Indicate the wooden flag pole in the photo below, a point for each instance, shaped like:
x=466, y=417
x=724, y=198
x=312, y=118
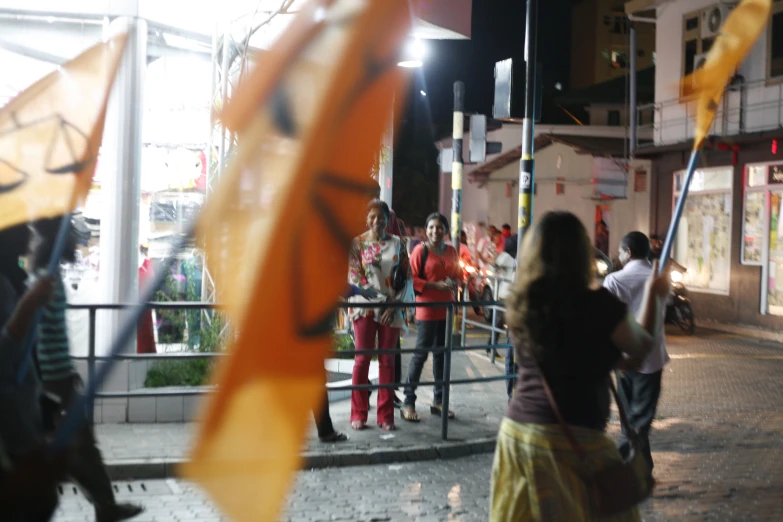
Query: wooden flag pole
x=54, y=264
x=667, y=244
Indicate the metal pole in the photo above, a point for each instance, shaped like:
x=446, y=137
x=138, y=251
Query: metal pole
x=444, y=415
x=457, y=163
x=667, y=245
x=91, y=361
x=493, y=335
x=633, y=101
x=527, y=164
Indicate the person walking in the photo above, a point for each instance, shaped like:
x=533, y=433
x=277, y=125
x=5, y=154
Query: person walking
x=435, y=271
x=374, y=257
x=568, y=337
x=22, y=436
x=59, y=378
x=638, y=389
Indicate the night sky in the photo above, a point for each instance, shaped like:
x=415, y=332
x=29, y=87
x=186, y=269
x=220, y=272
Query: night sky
x=498, y=33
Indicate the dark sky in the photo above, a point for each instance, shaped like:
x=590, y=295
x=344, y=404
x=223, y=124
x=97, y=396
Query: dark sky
x=498, y=33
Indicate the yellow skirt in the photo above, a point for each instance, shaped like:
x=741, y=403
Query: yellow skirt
x=537, y=475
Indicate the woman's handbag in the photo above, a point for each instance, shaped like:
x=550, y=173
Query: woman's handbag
x=619, y=486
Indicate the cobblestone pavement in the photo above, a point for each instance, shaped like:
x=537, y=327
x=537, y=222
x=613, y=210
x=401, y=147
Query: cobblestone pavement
x=716, y=442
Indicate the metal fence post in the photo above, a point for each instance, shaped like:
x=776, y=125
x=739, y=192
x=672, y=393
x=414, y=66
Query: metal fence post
x=493, y=336
x=444, y=415
x=465, y=298
x=91, y=360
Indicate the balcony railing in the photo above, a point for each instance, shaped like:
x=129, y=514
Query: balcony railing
x=745, y=108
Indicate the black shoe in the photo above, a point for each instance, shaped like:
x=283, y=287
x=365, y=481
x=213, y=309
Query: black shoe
x=397, y=402
x=119, y=512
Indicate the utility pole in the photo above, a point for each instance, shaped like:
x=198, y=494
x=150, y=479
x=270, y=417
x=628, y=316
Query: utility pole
x=457, y=163
x=527, y=164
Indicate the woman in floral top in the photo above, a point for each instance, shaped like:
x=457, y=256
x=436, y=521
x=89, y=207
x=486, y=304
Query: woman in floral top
x=373, y=257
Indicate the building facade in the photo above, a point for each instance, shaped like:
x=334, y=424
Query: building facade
x=581, y=169
x=600, y=46
x=728, y=236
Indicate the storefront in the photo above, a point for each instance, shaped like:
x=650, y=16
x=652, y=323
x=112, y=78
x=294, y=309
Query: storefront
x=731, y=235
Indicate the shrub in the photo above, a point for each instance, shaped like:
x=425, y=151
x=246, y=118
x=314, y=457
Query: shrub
x=188, y=372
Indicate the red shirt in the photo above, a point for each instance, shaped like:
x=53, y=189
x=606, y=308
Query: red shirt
x=437, y=268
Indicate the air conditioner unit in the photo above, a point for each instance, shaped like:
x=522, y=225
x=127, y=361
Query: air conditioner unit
x=712, y=19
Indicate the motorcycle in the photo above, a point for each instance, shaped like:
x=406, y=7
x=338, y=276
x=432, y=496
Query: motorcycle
x=679, y=311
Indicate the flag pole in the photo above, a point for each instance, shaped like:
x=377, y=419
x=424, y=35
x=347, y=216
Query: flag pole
x=667, y=244
x=54, y=264
x=75, y=415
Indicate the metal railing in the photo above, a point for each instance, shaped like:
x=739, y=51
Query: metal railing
x=496, y=307
x=746, y=107
x=446, y=381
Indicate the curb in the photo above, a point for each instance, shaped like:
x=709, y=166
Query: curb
x=152, y=469
x=747, y=331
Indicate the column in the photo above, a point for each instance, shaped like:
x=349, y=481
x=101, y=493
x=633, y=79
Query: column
x=386, y=172
x=121, y=194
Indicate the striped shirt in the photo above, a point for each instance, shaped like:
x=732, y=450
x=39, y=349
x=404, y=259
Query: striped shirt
x=54, y=357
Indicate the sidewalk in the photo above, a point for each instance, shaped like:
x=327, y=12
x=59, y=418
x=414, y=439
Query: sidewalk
x=721, y=402
x=152, y=450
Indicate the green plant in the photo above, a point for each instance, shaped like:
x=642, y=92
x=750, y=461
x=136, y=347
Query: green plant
x=173, y=321
x=342, y=343
x=187, y=372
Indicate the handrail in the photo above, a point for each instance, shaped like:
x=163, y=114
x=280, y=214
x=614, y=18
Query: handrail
x=746, y=107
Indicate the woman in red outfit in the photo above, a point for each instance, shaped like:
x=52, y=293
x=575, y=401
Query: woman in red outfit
x=435, y=271
x=373, y=258
x=145, y=334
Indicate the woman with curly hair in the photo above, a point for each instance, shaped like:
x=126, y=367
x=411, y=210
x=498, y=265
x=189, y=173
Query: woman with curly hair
x=568, y=334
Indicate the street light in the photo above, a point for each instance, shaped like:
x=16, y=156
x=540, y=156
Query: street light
x=412, y=56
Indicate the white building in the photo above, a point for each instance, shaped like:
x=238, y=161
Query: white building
x=581, y=169
x=728, y=238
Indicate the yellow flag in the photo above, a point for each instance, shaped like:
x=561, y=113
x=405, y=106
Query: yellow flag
x=277, y=231
x=50, y=135
x=737, y=35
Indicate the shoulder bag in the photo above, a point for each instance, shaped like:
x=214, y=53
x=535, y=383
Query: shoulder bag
x=619, y=486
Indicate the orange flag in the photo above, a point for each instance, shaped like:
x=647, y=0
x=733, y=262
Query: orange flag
x=50, y=135
x=738, y=34
x=277, y=232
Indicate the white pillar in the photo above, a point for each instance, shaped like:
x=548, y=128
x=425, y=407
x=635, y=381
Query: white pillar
x=121, y=183
x=386, y=172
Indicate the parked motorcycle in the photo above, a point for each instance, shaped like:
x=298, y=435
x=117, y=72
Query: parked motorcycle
x=679, y=311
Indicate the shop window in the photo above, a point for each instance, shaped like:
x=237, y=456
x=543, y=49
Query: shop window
x=762, y=231
x=703, y=241
x=775, y=60
x=613, y=118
